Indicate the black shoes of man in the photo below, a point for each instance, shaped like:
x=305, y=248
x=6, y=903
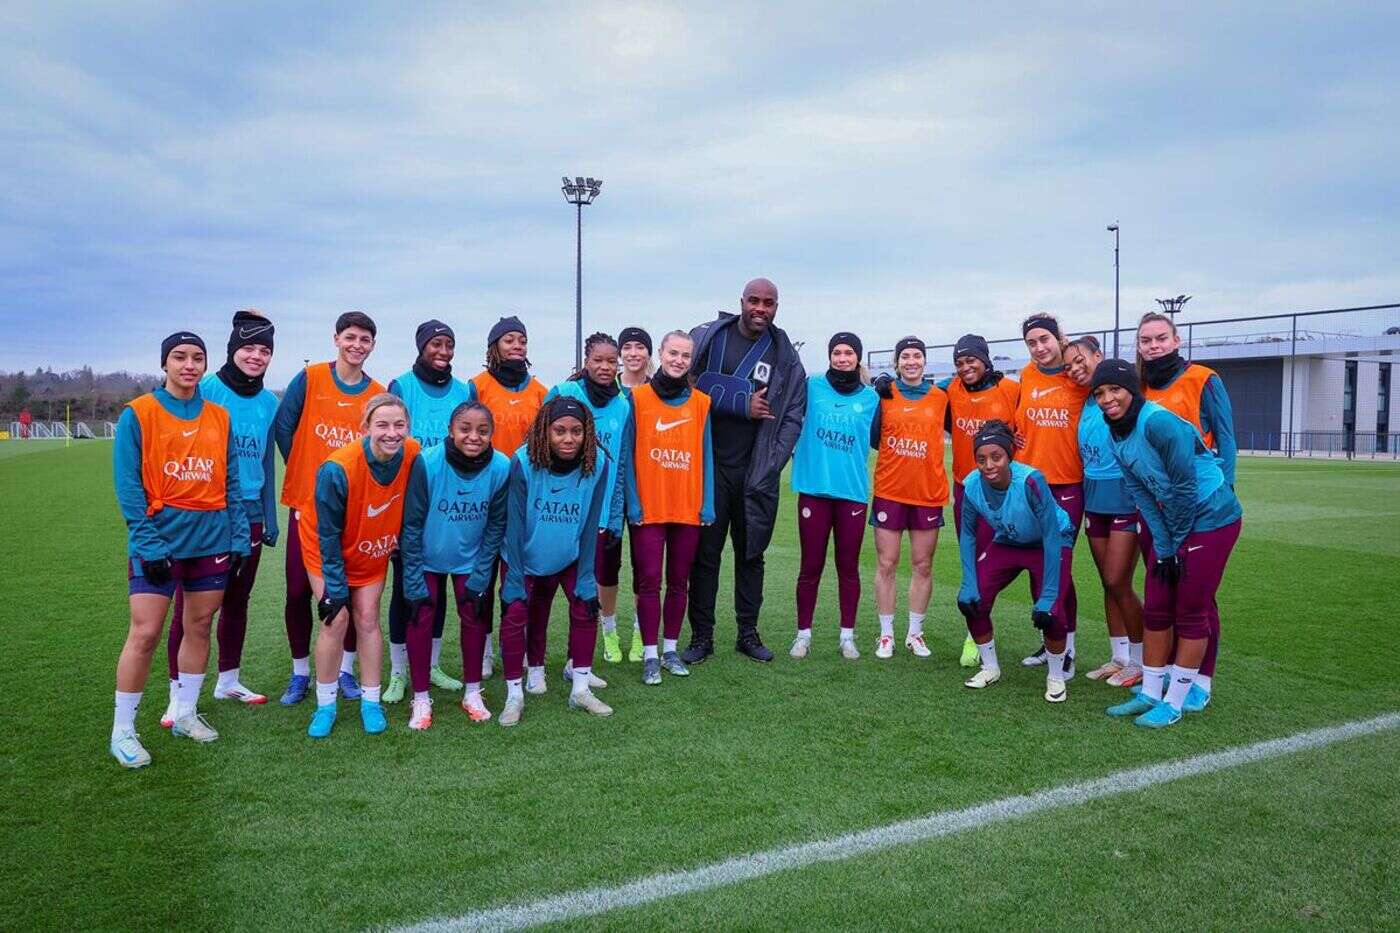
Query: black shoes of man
x=748, y=644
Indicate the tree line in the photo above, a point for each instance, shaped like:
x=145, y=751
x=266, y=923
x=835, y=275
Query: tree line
x=94, y=397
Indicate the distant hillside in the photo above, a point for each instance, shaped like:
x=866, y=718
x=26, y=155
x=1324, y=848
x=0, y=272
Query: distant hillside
x=95, y=397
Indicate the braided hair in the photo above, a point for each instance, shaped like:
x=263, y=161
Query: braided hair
x=537, y=441
x=588, y=345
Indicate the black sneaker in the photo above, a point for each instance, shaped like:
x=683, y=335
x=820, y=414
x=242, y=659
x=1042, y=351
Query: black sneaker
x=698, y=651
x=750, y=644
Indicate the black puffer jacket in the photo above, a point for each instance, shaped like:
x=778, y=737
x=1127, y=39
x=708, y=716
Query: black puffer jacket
x=776, y=438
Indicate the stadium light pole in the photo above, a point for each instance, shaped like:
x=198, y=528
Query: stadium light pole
x=1113, y=229
x=579, y=192
x=1172, y=305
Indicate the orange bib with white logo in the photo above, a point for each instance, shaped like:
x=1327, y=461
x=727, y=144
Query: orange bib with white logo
x=971, y=410
x=330, y=420
x=668, y=456
x=184, y=463
x=909, y=467
x=1183, y=396
x=373, y=516
x=512, y=412
x=1048, y=416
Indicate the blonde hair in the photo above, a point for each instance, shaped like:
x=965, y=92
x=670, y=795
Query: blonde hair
x=382, y=400
x=674, y=333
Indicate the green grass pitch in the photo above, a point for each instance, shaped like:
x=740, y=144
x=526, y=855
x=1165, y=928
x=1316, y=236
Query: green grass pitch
x=266, y=829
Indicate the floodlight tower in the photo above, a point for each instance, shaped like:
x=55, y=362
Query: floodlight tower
x=1113, y=229
x=579, y=192
x=1171, y=306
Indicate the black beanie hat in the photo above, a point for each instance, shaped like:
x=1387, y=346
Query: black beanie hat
x=249, y=327
x=1116, y=373
x=995, y=432
x=179, y=338
x=630, y=334
x=506, y=325
x=909, y=343
x=974, y=345
x=850, y=340
x=430, y=329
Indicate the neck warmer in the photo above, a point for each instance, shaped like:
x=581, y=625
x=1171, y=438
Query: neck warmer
x=1124, y=425
x=989, y=379
x=669, y=387
x=469, y=466
x=431, y=375
x=843, y=381
x=239, y=381
x=1160, y=372
x=510, y=373
x=599, y=395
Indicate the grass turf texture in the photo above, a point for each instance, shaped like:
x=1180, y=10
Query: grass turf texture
x=267, y=828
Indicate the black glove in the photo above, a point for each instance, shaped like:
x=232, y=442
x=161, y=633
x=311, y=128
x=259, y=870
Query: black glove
x=612, y=540
x=157, y=572
x=595, y=608
x=478, y=601
x=883, y=385
x=969, y=608
x=1042, y=619
x=1168, y=569
x=414, y=608
x=235, y=564
x=329, y=608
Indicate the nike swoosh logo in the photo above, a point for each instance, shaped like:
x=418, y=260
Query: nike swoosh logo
x=439, y=330
x=1066, y=498
x=668, y=425
x=125, y=756
x=839, y=405
x=554, y=491
x=931, y=517
x=373, y=511
x=1196, y=548
x=912, y=408
x=244, y=333
x=981, y=557
x=857, y=513
x=221, y=560
x=1041, y=393
x=345, y=404
x=515, y=401
x=190, y=433
x=976, y=398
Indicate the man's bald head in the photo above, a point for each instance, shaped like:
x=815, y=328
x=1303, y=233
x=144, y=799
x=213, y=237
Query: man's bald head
x=757, y=306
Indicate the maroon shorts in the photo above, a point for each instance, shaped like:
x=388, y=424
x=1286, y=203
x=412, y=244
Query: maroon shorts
x=607, y=561
x=192, y=574
x=1099, y=525
x=900, y=516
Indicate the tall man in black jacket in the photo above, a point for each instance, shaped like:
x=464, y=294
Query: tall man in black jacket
x=758, y=394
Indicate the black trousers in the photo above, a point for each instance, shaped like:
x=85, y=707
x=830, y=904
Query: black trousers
x=748, y=574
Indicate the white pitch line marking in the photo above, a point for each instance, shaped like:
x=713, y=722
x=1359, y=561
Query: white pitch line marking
x=592, y=901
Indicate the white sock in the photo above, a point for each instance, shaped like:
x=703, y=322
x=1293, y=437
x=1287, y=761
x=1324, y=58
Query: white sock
x=1057, y=664
x=514, y=689
x=326, y=693
x=1179, y=684
x=487, y=651
x=1152, y=681
x=988, y=653
x=301, y=667
x=669, y=644
x=916, y=623
x=347, y=662
x=1203, y=681
x=398, y=660
x=887, y=625
x=1069, y=644
x=610, y=624
x=848, y=635
x=420, y=695
x=804, y=634
x=649, y=653
x=227, y=679
x=188, y=696
x=125, y=716
x=1135, y=653
x=369, y=694
x=437, y=651
x=637, y=629
x=535, y=673
x=1119, y=646
x=472, y=690
x=581, y=675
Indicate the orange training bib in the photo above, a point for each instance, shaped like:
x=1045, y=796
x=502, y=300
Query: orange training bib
x=909, y=467
x=184, y=463
x=1183, y=396
x=1048, y=415
x=669, y=456
x=373, y=517
x=513, y=412
x=971, y=410
x=330, y=420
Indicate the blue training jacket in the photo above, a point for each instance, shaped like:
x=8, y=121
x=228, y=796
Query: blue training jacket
x=1174, y=480
x=610, y=424
x=250, y=420
x=551, y=524
x=833, y=452
x=430, y=407
x=1104, y=491
x=452, y=522
x=171, y=532
x=1025, y=514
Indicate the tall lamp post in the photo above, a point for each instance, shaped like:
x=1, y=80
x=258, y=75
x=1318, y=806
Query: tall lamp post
x=578, y=192
x=1113, y=229
x=1173, y=305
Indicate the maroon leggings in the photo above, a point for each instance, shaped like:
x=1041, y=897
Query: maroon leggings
x=233, y=613
x=297, y=610
x=526, y=624
x=674, y=545
x=420, y=632
x=1149, y=557
x=820, y=519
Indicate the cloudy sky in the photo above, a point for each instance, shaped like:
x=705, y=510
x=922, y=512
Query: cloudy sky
x=893, y=167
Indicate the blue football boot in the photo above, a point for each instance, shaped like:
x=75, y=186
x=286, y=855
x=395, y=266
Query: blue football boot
x=296, y=689
x=321, y=721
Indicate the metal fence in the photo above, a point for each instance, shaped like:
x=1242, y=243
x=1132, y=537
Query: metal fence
x=39, y=430
x=1310, y=383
